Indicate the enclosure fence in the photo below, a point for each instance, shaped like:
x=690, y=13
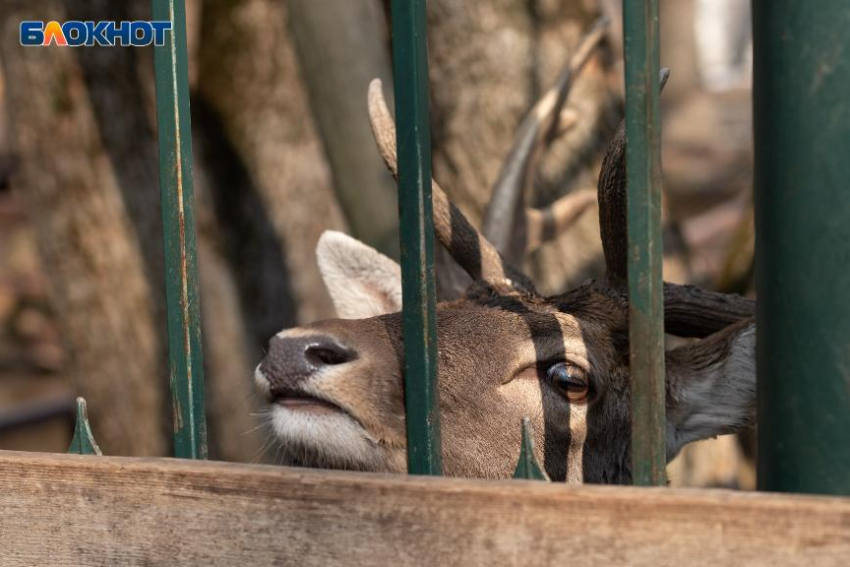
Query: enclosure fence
x=160, y=511
x=790, y=112
x=780, y=98
x=410, y=63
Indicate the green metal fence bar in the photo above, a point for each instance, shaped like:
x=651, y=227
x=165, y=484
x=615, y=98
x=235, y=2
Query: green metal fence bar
x=83, y=442
x=646, y=302
x=802, y=133
x=181, y=271
x=528, y=467
x=410, y=64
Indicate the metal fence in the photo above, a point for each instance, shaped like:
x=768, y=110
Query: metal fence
x=410, y=63
x=111, y=511
x=802, y=83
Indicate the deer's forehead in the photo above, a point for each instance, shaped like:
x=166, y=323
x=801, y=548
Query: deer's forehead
x=539, y=334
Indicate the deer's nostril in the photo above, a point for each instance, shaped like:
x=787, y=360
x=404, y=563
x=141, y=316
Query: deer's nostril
x=291, y=360
x=328, y=354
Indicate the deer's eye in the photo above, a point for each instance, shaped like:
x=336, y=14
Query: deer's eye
x=570, y=380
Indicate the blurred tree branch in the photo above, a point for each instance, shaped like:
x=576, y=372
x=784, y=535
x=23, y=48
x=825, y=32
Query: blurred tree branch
x=341, y=46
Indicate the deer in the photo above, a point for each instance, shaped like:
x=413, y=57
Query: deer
x=505, y=352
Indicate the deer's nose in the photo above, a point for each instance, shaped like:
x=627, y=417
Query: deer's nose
x=291, y=360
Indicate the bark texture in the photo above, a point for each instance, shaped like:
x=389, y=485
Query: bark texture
x=229, y=349
x=91, y=185
x=249, y=82
x=94, y=257
x=490, y=61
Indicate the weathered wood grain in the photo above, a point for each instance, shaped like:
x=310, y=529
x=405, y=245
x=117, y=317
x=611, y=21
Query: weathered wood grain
x=64, y=510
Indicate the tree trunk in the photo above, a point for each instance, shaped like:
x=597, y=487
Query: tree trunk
x=489, y=63
x=481, y=57
x=113, y=103
x=5, y=154
x=72, y=186
x=232, y=406
x=342, y=46
x=250, y=86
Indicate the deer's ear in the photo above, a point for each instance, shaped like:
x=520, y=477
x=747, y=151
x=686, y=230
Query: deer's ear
x=711, y=386
x=362, y=282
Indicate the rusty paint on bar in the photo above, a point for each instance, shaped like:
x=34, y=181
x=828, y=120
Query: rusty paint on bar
x=646, y=297
x=181, y=272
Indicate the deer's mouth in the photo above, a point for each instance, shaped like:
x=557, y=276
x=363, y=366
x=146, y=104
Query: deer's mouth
x=305, y=403
x=308, y=403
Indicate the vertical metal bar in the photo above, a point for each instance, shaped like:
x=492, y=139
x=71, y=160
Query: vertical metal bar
x=802, y=134
x=646, y=303
x=178, y=220
x=410, y=63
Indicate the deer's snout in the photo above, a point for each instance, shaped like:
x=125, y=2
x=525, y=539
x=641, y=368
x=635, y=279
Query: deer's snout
x=292, y=360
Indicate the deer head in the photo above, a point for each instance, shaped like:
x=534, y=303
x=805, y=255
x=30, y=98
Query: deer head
x=505, y=352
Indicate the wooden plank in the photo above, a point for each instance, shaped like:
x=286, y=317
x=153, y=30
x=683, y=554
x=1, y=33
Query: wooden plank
x=174, y=512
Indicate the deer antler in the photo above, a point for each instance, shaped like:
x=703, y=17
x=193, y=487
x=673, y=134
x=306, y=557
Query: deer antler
x=612, y=210
x=502, y=220
x=688, y=310
x=543, y=225
x=612, y=204
x=481, y=260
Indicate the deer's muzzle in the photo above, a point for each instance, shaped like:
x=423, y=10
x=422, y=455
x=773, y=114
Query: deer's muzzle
x=291, y=361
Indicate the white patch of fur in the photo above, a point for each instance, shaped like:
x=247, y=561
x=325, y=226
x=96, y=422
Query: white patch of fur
x=578, y=437
x=329, y=440
x=362, y=282
x=333, y=440
x=261, y=382
x=296, y=332
x=718, y=399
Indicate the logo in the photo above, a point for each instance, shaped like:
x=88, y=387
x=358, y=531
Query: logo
x=107, y=34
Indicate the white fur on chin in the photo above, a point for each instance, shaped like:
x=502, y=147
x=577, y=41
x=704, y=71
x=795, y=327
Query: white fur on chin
x=327, y=441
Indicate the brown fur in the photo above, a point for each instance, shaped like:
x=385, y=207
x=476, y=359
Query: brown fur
x=494, y=348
